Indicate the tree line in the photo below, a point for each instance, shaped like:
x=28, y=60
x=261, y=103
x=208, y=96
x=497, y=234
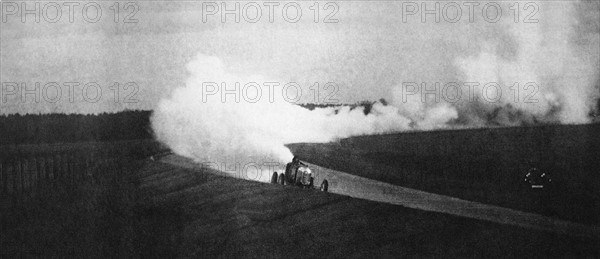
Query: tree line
x=366, y=105
x=124, y=125
x=60, y=127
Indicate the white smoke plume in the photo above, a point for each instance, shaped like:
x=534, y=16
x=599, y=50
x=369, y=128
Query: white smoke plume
x=232, y=135
x=562, y=62
x=242, y=136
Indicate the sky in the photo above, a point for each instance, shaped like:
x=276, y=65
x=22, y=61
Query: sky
x=366, y=49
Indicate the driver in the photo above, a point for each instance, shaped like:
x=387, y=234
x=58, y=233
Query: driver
x=291, y=169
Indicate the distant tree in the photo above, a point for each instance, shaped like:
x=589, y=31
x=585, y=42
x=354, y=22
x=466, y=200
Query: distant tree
x=52, y=128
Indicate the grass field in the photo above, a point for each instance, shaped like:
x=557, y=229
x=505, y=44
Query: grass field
x=134, y=207
x=89, y=218
x=125, y=148
x=484, y=165
x=27, y=170
x=154, y=210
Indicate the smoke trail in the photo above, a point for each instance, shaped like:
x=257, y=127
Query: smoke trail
x=547, y=53
x=233, y=134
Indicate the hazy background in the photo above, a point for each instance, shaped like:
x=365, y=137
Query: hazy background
x=367, y=53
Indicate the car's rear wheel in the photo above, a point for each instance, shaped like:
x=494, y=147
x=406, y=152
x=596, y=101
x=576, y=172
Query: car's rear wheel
x=281, y=179
x=324, y=186
x=274, y=178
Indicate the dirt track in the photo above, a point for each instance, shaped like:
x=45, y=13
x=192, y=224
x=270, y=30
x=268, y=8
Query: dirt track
x=363, y=188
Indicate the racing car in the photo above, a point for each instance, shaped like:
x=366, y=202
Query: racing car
x=298, y=174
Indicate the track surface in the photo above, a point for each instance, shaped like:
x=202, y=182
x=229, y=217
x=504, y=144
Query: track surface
x=190, y=211
x=363, y=188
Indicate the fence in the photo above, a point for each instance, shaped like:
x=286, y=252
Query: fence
x=22, y=177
